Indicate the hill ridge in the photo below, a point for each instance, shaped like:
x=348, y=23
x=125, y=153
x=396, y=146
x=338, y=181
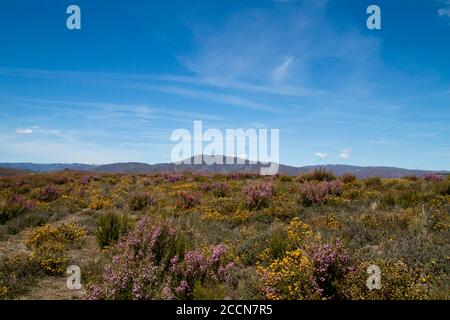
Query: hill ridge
x=140, y=167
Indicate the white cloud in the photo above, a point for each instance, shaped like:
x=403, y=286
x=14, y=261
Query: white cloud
x=25, y=131
x=444, y=12
x=321, y=155
x=345, y=154
x=280, y=72
x=34, y=130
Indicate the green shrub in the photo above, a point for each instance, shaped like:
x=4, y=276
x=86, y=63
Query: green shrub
x=110, y=227
x=278, y=243
x=320, y=174
x=17, y=274
x=348, y=178
x=373, y=182
x=27, y=220
x=284, y=178
x=140, y=200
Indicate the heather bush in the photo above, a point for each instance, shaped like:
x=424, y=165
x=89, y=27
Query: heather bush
x=258, y=194
x=317, y=192
x=172, y=178
x=331, y=264
x=13, y=207
x=110, y=227
x=84, y=180
x=220, y=189
x=433, y=177
x=139, y=201
x=139, y=263
x=49, y=193
x=151, y=262
x=188, y=199
x=198, y=270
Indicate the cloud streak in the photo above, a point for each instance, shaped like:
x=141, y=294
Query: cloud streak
x=280, y=72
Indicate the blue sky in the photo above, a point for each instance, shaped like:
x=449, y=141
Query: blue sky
x=116, y=89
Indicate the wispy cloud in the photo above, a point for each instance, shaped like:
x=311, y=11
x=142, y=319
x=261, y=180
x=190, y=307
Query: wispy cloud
x=221, y=82
x=222, y=98
x=280, y=72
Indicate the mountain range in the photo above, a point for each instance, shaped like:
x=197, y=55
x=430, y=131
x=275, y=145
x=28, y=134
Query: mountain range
x=137, y=167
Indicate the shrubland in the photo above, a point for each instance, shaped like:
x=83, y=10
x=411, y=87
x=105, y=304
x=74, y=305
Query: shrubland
x=235, y=236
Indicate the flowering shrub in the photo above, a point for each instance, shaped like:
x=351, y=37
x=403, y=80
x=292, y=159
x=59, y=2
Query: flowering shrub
x=187, y=199
x=13, y=207
x=289, y=278
x=101, y=203
x=172, y=178
x=331, y=264
x=84, y=180
x=317, y=192
x=48, y=193
x=151, y=263
x=197, y=267
x=398, y=282
x=433, y=177
x=51, y=257
x=277, y=243
x=298, y=232
x=140, y=200
x=140, y=262
x=220, y=189
x=258, y=194
x=48, y=245
x=65, y=234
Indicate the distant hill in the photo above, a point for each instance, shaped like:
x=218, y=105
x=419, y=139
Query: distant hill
x=136, y=167
x=47, y=167
x=11, y=171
